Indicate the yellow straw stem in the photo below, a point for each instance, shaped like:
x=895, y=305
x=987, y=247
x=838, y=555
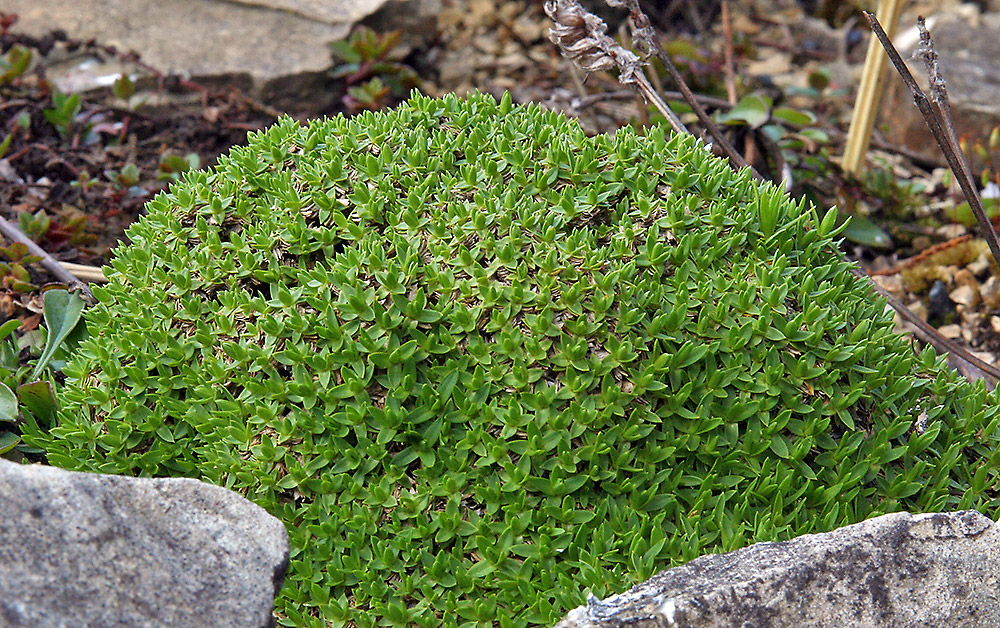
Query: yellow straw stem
x=870, y=91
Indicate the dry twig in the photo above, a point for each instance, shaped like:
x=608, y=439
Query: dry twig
x=939, y=121
x=83, y=272
x=869, y=94
x=730, y=64
x=645, y=38
x=581, y=36
x=50, y=264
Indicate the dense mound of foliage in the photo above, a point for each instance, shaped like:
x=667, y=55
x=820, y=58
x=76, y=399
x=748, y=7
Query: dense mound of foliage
x=480, y=363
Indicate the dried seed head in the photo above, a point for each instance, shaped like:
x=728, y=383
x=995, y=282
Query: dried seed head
x=582, y=38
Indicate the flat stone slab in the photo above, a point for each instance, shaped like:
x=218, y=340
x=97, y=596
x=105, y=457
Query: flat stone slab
x=331, y=11
x=894, y=571
x=198, y=37
x=275, y=50
x=266, y=44
x=83, y=549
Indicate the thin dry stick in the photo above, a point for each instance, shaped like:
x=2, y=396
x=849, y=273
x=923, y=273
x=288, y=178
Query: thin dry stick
x=645, y=38
x=938, y=122
x=939, y=94
x=711, y=102
x=730, y=64
x=582, y=102
x=48, y=262
x=582, y=38
x=92, y=274
x=929, y=334
x=869, y=93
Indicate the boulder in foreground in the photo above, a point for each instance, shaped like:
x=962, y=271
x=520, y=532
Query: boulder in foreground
x=82, y=549
x=897, y=570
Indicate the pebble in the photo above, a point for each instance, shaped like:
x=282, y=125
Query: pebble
x=962, y=277
x=990, y=292
x=980, y=266
x=965, y=295
x=939, y=305
x=985, y=356
x=892, y=283
x=950, y=331
x=951, y=231
x=918, y=308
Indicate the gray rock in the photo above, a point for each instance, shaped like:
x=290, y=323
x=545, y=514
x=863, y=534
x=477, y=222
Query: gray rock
x=897, y=570
x=968, y=47
x=267, y=42
x=89, y=550
x=336, y=12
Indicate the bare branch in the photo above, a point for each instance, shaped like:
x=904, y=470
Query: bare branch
x=940, y=124
x=645, y=39
x=48, y=262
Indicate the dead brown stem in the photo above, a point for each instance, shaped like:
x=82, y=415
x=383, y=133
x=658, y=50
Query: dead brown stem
x=12, y=233
x=727, y=35
x=646, y=40
x=939, y=121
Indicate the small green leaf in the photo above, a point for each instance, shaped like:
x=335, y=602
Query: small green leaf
x=861, y=230
x=962, y=214
x=8, y=441
x=779, y=446
x=828, y=222
x=16, y=63
x=816, y=135
x=62, y=312
x=5, y=144
x=123, y=87
x=524, y=550
x=481, y=569
x=8, y=328
x=165, y=433
x=793, y=116
x=39, y=399
x=753, y=110
x=8, y=404
x=819, y=79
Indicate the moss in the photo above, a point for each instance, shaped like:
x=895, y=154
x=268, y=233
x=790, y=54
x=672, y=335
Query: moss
x=480, y=363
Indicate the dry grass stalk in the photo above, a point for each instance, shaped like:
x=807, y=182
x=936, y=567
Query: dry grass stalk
x=582, y=37
x=939, y=120
x=869, y=93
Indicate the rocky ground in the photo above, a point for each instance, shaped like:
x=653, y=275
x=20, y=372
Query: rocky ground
x=75, y=171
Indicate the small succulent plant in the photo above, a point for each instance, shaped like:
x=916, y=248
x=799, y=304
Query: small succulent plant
x=172, y=166
x=14, y=64
x=370, y=70
x=27, y=396
x=14, y=275
x=480, y=363
x=64, y=113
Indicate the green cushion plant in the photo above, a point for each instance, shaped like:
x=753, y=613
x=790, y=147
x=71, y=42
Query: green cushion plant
x=480, y=363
